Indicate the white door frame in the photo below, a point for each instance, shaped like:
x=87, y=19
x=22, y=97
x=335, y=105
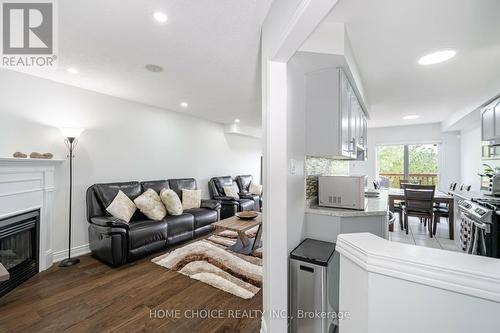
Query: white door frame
x=288, y=24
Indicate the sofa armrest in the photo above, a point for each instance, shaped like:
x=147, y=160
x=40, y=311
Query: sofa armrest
x=225, y=200
x=211, y=204
x=110, y=222
x=248, y=195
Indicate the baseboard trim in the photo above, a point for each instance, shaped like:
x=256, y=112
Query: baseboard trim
x=75, y=252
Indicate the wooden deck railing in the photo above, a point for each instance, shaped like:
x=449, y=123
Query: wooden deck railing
x=422, y=178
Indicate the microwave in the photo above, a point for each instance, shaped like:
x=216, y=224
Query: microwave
x=342, y=192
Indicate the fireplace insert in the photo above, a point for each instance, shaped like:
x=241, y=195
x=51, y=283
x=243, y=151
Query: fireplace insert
x=19, y=248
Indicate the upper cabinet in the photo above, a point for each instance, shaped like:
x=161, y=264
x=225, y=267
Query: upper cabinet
x=335, y=120
x=490, y=121
x=336, y=114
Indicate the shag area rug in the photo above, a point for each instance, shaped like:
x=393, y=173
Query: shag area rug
x=209, y=261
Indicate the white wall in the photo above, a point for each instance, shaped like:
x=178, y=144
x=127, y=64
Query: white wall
x=286, y=27
x=449, y=164
x=296, y=133
x=471, y=163
x=123, y=141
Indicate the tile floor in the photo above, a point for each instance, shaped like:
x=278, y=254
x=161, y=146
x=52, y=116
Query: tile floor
x=418, y=235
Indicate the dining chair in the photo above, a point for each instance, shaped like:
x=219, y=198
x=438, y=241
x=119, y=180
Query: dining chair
x=409, y=181
x=421, y=187
x=439, y=212
x=418, y=202
x=442, y=209
x=398, y=205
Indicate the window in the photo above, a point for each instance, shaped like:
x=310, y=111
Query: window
x=416, y=163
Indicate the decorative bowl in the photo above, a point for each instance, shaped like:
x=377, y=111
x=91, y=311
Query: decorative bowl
x=247, y=215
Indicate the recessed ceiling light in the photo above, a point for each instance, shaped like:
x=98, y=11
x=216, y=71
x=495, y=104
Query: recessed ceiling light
x=437, y=57
x=160, y=17
x=411, y=116
x=236, y=120
x=154, y=68
x=72, y=70
x=184, y=104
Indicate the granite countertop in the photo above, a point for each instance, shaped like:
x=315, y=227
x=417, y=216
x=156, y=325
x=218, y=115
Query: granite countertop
x=373, y=207
x=468, y=195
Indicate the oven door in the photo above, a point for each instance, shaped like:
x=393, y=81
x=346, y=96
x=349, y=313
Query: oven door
x=466, y=230
x=477, y=237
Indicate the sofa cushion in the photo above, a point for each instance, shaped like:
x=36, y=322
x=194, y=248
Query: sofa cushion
x=149, y=203
x=202, y=216
x=156, y=185
x=147, y=231
x=107, y=192
x=179, y=224
x=244, y=182
x=99, y=196
x=220, y=182
x=247, y=204
x=182, y=184
x=122, y=207
x=191, y=199
x=171, y=201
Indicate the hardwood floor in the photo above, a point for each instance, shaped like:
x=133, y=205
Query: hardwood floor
x=93, y=297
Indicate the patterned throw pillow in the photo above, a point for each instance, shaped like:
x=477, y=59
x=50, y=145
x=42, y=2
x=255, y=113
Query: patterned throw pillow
x=149, y=203
x=171, y=201
x=191, y=199
x=230, y=191
x=122, y=207
x=255, y=189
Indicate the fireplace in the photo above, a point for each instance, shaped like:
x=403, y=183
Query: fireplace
x=19, y=248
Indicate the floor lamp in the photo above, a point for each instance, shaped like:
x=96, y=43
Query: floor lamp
x=71, y=140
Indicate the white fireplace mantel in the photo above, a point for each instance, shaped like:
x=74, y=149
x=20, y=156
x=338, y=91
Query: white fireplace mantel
x=25, y=185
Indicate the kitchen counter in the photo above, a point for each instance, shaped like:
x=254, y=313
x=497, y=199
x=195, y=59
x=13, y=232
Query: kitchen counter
x=373, y=207
x=468, y=195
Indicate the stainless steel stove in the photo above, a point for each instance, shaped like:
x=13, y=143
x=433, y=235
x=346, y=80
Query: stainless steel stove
x=479, y=226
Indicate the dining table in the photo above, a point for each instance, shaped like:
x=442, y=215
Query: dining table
x=397, y=194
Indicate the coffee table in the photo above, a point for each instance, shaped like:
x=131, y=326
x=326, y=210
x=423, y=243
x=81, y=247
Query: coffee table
x=244, y=244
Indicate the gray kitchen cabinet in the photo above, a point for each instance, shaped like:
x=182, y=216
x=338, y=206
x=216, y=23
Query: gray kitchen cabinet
x=496, y=107
x=488, y=123
x=345, y=121
x=335, y=120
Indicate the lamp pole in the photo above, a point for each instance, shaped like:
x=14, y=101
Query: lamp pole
x=70, y=143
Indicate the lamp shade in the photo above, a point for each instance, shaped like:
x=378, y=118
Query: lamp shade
x=71, y=132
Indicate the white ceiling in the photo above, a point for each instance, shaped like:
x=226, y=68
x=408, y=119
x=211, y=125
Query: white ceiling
x=389, y=36
x=209, y=51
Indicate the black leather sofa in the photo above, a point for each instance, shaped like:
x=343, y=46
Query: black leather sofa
x=230, y=205
x=116, y=242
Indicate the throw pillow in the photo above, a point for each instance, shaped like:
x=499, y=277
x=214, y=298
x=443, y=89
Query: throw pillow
x=230, y=191
x=122, y=207
x=255, y=189
x=171, y=201
x=191, y=199
x=149, y=203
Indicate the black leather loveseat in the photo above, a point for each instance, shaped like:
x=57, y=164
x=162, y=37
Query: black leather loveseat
x=231, y=206
x=117, y=242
